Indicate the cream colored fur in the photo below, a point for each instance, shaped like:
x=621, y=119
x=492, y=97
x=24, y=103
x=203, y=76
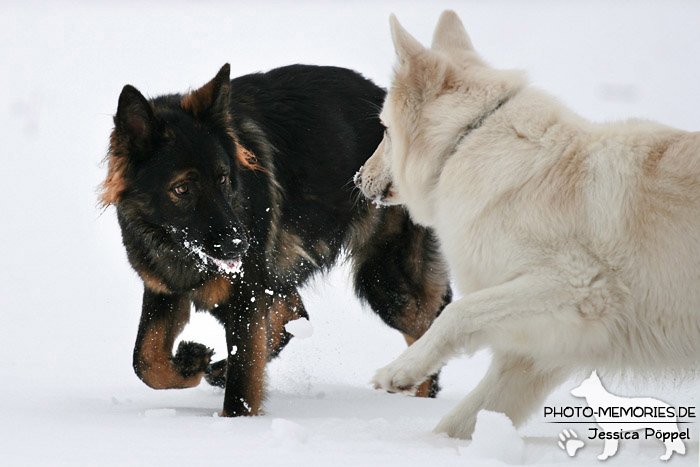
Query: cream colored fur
x=576, y=245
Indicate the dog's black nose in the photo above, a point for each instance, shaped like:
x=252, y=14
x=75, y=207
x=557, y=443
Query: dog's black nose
x=357, y=179
x=230, y=248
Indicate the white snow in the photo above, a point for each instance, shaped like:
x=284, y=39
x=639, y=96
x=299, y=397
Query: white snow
x=70, y=304
x=155, y=413
x=288, y=432
x=300, y=328
x=495, y=437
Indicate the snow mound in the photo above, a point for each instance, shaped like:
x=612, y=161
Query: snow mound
x=300, y=328
x=495, y=437
x=286, y=431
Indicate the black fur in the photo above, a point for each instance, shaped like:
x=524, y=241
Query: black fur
x=189, y=193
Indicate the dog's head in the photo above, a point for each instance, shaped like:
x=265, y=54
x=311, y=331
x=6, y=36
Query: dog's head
x=173, y=176
x=436, y=93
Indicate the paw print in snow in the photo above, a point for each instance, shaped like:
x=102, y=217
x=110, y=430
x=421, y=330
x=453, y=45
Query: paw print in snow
x=569, y=442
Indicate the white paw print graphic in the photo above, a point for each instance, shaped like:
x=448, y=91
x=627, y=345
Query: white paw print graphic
x=569, y=442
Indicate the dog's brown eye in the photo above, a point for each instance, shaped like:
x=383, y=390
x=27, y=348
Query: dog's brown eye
x=181, y=189
x=223, y=179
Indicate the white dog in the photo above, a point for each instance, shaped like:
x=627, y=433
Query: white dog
x=576, y=245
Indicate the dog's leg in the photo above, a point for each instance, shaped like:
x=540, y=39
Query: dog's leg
x=400, y=273
x=461, y=327
x=162, y=319
x=245, y=322
x=513, y=385
x=430, y=387
x=286, y=307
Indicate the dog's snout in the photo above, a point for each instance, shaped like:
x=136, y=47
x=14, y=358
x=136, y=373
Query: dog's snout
x=357, y=178
x=230, y=246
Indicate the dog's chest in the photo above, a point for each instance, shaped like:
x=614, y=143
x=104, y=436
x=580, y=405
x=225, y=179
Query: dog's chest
x=479, y=254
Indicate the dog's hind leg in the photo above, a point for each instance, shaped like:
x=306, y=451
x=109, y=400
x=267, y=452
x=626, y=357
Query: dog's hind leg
x=401, y=275
x=162, y=319
x=513, y=385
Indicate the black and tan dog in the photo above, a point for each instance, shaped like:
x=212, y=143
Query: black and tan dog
x=231, y=196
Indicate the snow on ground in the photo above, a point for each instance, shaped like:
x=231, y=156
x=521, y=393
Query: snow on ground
x=70, y=304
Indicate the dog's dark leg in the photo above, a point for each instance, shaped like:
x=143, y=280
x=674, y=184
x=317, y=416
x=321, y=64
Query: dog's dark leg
x=162, y=319
x=285, y=307
x=400, y=273
x=245, y=317
x=246, y=341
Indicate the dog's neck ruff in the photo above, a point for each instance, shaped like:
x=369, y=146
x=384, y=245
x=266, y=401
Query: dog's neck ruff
x=477, y=123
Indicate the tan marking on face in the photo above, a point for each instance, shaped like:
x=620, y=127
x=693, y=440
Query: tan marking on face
x=180, y=178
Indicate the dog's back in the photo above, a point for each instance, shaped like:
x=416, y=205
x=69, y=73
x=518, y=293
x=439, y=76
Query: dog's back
x=629, y=192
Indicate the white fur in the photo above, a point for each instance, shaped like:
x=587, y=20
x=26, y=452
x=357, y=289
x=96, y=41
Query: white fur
x=576, y=245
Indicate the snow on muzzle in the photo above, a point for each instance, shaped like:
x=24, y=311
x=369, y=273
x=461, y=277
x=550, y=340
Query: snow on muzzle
x=224, y=265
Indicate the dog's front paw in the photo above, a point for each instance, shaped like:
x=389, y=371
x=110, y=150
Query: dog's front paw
x=192, y=359
x=399, y=376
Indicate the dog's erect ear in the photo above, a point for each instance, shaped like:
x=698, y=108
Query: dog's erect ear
x=212, y=99
x=450, y=33
x=134, y=119
x=132, y=136
x=405, y=44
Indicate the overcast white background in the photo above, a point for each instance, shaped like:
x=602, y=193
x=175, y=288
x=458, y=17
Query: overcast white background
x=69, y=303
